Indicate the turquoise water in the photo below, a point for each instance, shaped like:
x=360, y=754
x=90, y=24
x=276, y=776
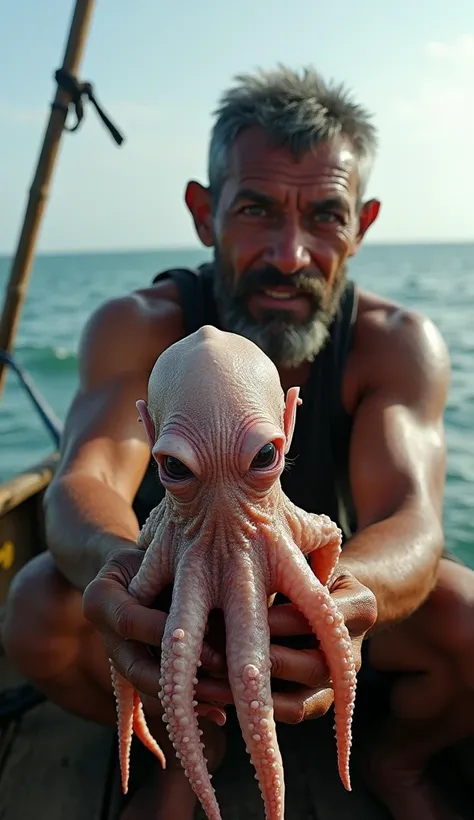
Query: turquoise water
x=435, y=279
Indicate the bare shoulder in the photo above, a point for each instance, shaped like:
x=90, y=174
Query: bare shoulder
x=399, y=351
x=129, y=332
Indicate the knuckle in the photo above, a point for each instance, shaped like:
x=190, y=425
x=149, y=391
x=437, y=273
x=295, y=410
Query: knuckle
x=316, y=677
x=136, y=674
x=123, y=621
x=91, y=602
x=366, y=613
x=371, y=610
x=275, y=663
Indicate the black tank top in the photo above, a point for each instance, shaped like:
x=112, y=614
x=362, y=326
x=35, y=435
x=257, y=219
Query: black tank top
x=318, y=478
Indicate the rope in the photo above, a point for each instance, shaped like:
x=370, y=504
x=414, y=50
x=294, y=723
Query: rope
x=46, y=413
x=76, y=90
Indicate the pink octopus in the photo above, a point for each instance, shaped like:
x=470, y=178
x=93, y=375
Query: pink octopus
x=228, y=538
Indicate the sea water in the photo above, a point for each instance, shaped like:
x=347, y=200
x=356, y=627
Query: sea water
x=437, y=280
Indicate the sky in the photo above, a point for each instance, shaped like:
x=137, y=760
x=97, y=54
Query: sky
x=159, y=68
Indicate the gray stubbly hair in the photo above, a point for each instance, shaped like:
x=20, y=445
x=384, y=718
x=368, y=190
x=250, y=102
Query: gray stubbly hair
x=299, y=111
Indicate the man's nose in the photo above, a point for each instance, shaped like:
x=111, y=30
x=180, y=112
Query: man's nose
x=288, y=251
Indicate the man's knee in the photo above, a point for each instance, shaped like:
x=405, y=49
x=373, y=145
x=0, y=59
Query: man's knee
x=450, y=608
x=43, y=618
x=448, y=618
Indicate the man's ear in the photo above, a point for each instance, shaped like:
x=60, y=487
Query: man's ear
x=198, y=201
x=142, y=408
x=368, y=214
x=289, y=417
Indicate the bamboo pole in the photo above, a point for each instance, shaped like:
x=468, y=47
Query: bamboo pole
x=22, y=262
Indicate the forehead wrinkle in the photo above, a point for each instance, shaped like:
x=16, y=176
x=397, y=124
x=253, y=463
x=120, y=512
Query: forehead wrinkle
x=339, y=185
x=183, y=425
x=249, y=422
x=291, y=175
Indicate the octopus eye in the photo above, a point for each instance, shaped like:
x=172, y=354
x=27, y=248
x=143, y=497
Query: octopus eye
x=175, y=468
x=265, y=457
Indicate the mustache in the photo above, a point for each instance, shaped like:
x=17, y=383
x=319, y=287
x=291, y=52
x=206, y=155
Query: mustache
x=310, y=284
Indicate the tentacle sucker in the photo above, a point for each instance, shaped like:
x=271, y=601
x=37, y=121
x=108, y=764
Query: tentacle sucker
x=180, y=658
x=296, y=580
x=248, y=663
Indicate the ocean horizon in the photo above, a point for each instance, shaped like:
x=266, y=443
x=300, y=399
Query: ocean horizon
x=436, y=279
x=6, y=256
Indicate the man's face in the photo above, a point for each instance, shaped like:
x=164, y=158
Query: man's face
x=282, y=232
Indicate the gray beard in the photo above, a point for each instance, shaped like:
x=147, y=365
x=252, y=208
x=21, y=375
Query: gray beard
x=286, y=343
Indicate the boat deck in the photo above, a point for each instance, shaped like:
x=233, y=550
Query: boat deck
x=55, y=766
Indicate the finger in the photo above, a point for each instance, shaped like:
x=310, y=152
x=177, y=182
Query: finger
x=286, y=620
x=356, y=603
x=213, y=661
x=215, y=691
x=305, y=704
x=136, y=664
x=304, y=666
x=109, y=607
x=212, y=712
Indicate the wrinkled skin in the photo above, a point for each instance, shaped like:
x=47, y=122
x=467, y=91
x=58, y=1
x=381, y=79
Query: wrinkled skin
x=227, y=537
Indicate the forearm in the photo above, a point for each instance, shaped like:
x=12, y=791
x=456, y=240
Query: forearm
x=86, y=522
x=398, y=560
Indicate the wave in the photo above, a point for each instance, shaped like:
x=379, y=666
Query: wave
x=41, y=360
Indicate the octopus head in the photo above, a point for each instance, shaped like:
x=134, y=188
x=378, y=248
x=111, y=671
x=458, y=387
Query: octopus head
x=216, y=416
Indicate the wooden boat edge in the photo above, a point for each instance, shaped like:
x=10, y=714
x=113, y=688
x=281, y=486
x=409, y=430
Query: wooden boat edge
x=22, y=532
x=23, y=485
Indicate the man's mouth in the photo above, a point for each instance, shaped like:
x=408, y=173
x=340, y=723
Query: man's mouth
x=282, y=298
x=281, y=293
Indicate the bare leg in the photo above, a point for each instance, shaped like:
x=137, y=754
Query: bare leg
x=48, y=639
x=400, y=758
x=432, y=705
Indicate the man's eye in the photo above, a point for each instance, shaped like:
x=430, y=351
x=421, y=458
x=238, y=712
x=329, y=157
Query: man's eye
x=175, y=468
x=253, y=210
x=265, y=457
x=328, y=216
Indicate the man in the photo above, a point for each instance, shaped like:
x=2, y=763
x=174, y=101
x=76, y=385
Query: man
x=284, y=213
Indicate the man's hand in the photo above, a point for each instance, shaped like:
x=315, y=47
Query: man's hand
x=312, y=694
x=307, y=667
x=132, y=633
x=127, y=628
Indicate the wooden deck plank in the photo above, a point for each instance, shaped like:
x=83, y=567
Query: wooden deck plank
x=57, y=768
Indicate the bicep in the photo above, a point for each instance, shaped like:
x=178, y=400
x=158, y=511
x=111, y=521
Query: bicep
x=398, y=451
x=103, y=437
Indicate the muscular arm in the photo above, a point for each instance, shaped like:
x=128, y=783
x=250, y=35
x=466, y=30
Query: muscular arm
x=88, y=506
x=397, y=469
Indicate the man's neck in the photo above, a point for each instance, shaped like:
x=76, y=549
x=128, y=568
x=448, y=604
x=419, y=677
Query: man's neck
x=294, y=376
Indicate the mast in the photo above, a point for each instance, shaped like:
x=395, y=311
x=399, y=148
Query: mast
x=68, y=90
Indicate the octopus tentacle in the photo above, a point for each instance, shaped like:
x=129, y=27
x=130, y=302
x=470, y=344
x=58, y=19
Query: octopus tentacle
x=130, y=718
x=316, y=535
x=124, y=698
x=296, y=580
x=156, y=570
x=154, y=574
x=181, y=650
x=249, y=667
x=142, y=731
